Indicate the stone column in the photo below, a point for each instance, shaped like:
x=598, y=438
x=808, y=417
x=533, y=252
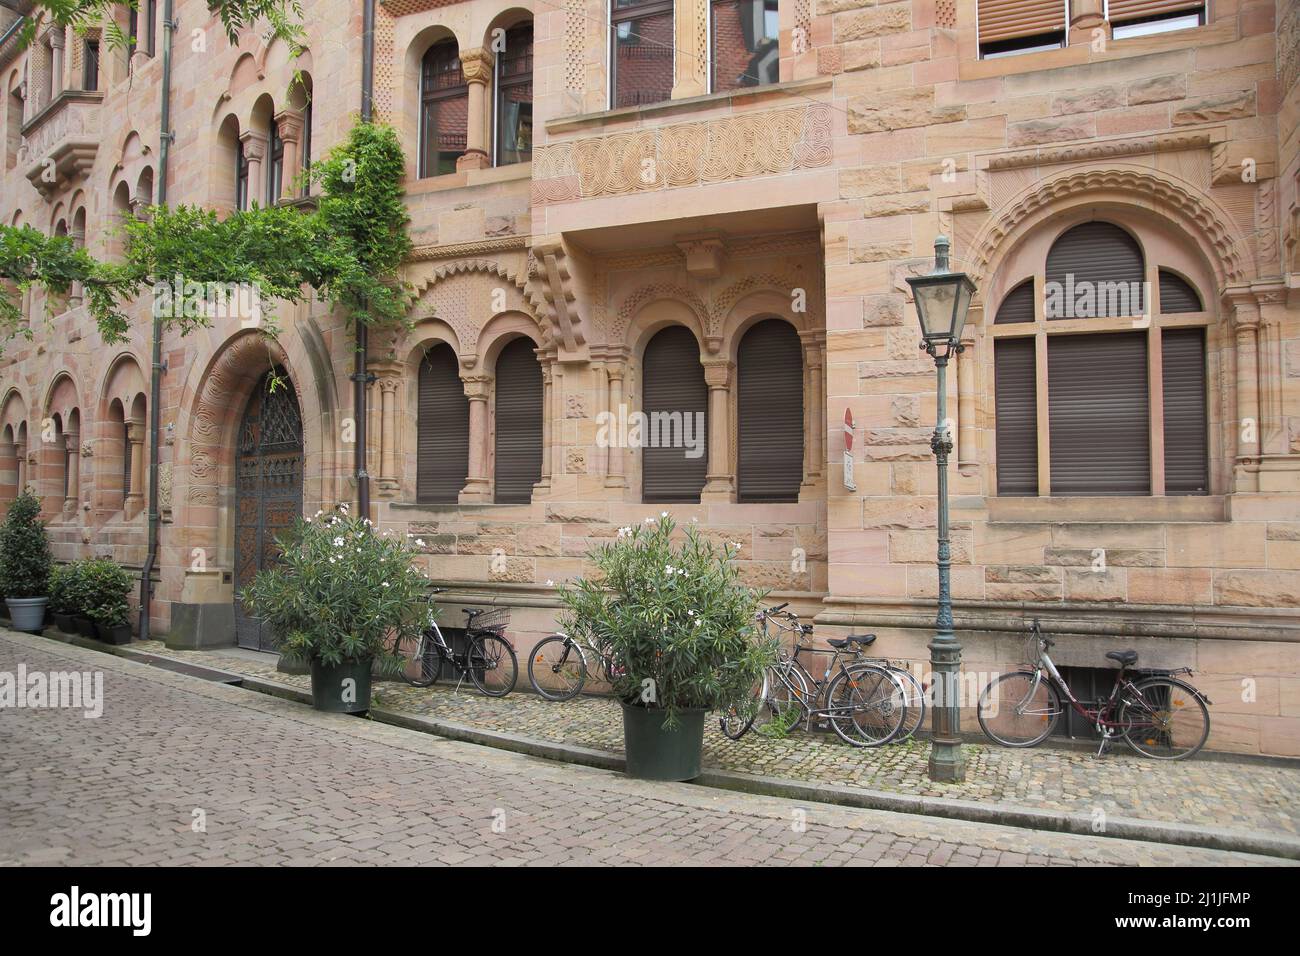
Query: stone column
x=477, y=67
x=966, y=460
x=134, y=500
x=289, y=123
x=1085, y=16
x=691, y=65
x=548, y=365
x=55, y=38
x=721, y=481
x=388, y=470
x=1245, y=323
x=478, y=486
x=254, y=152
x=615, y=452
x=72, y=448
x=76, y=293
x=22, y=467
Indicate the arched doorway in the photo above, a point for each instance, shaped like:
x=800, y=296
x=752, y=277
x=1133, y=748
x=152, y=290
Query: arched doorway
x=268, y=489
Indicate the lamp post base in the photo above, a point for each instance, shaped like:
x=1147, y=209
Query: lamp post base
x=947, y=763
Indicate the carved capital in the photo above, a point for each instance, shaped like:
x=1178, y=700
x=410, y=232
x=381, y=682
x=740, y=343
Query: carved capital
x=289, y=123
x=254, y=145
x=476, y=64
x=477, y=387
x=717, y=374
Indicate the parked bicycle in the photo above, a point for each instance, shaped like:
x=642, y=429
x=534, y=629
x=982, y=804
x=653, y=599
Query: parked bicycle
x=488, y=659
x=558, y=667
x=865, y=701
x=1158, y=714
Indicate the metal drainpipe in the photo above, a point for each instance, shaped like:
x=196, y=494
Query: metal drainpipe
x=360, y=377
x=155, y=377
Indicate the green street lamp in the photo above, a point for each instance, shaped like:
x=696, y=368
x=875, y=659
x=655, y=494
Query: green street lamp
x=942, y=299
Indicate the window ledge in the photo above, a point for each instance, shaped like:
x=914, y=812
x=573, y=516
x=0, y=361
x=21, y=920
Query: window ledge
x=1102, y=510
x=733, y=98
x=469, y=177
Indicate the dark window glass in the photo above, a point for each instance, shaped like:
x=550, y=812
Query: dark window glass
x=641, y=33
x=90, y=66
x=306, y=147
x=241, y=177
x=744, y=50
x=444, y=110
x=514, y=111
x=275, y=169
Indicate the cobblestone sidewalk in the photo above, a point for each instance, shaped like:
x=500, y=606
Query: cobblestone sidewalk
x=1248, y=797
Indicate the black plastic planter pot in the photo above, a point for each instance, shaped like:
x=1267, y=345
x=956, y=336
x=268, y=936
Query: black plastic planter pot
x=656, y=753
x=341, y=688
x=117, y=634
x=65, y=623
x=85, y=626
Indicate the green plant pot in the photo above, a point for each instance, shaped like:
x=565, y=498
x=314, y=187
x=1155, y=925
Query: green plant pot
x=27, y=614
x=332, y=692
x=656, y=753
x=116, y=634
x=65, y=623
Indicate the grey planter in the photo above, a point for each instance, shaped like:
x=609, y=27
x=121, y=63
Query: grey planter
x=27, y=614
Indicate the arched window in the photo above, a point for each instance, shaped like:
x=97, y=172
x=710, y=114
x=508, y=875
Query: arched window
x=241, y=176
x=518, y=423
x=90, y=64
x=113, y=471
x=444, y=110
x=1123, y=391
x=141, y=28
x=769, y=366
x=641, y=58
x=675, y=401
x=514, y=107
x=275, y=167
x=743, y=44
x=442, y=425
x=13, y=126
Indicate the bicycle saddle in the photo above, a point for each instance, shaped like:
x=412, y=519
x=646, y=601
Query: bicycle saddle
x=1124, y=658
x=864, y=639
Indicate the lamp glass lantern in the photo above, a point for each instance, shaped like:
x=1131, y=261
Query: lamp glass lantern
x=942, y=299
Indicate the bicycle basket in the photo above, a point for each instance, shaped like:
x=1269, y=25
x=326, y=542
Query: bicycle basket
x=494, y=620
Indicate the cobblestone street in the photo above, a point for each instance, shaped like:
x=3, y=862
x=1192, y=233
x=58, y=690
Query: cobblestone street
x=275, y=782
x=1204, y=792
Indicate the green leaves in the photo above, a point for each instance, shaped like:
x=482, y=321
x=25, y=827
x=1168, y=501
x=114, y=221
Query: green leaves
x=24, y=550
x=339, y=591
x=675, y=615
x=350, y=249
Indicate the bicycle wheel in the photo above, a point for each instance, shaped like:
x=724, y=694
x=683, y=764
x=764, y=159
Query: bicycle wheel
x=1019, y=709
x=738, y=718
x=866, y=705
x=556, y=668
x=423, y=663
x=492, y=664
x=914, y=717
x=786, y=700
x=1164, y=718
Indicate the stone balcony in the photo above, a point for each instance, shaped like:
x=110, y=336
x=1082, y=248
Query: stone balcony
x=60, y=142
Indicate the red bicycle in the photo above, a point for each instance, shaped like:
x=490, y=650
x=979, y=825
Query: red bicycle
x=1159, y=714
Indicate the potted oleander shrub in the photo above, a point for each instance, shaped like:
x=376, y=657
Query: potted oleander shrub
x=106, y=586
x=677, y=623
x=338, y=596
x=78, y=597
x=25, y=564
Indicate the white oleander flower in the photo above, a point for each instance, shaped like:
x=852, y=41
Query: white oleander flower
x=338, y=542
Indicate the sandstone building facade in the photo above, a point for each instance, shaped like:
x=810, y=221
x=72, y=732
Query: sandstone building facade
x=708, y=210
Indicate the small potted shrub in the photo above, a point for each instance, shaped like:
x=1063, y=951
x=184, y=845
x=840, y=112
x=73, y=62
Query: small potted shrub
x=78, y=597
x=25, y=564
x=112, y=622
x=106, y=586
x=337, y=597
x=678, y=626
x=60, y=606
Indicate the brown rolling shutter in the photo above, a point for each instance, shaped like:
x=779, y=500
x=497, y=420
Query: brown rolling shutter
x=1176, y=295
x=1186, y=426
x=1098, y=414
x=442, y=454
x=770, y=402
x=1122, y=10
x=1107, y=257
x=518, y=423
x=1018, y=306
x=1016, y=397
x=675, y=401
x=1010, y=19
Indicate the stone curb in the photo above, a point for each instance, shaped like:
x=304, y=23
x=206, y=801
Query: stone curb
x=1121, y=828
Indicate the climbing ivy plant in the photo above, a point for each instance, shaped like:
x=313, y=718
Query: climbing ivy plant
x=349, y=249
